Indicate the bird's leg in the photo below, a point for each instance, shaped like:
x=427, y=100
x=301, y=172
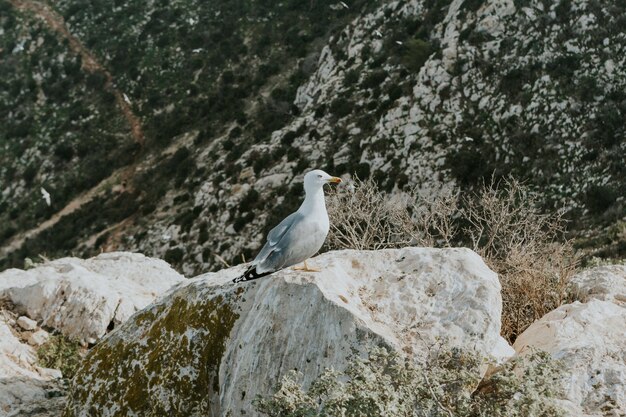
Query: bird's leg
x=306, y=268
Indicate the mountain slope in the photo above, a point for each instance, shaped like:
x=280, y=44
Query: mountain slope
x=237, y=100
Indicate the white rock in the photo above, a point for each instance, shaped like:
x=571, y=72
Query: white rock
x=601, y=283
x=26, y=323
x=16, y=358
x=502, y=352
x=50, y=373
x=213, y=346
x=38, y=338
x=81, y=298
x=21, y=382
x=271, y=181
x=590, y=339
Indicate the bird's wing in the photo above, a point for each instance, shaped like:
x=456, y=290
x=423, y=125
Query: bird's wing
x=275, y=235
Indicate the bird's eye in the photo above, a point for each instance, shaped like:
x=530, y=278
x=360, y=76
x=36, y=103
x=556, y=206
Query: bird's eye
x=319, y=176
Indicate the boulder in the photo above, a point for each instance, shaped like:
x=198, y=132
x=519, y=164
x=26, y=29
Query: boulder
x=601, y=283
x=38, y=338
x=590, y=340
x=86, y=298
x=26, y=323
x=210, y=347
x=22, y=382
x=82, y=298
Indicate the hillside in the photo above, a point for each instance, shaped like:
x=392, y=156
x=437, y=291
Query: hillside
x=182, y=129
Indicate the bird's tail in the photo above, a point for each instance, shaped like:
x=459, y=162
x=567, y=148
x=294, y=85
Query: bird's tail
x=250, y=275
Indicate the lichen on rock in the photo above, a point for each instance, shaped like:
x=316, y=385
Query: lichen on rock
x=170, y=364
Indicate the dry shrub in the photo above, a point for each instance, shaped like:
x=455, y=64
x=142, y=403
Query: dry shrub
x=501, y=222
x=363, y=217
x=524, y=246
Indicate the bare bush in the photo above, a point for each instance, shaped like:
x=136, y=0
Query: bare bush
x=524, y=246
x=501, y=222
x=363, y=217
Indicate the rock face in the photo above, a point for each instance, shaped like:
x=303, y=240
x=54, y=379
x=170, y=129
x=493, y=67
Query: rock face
x=590, y=339
x=23, y=384
x=80, y=298
x=602, y=283
x=210, y=347
x=427, y=94
x=84, y=298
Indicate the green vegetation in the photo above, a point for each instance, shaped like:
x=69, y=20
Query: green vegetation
x=60, y=353
x=445, y=384
x=415, y=54
x=149, y=380
x=180, y=55
x=60, y=129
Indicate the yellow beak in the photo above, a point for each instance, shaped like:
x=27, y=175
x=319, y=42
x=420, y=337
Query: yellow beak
x=334, y=180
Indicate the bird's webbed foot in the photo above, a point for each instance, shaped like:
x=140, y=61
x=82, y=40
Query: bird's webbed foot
x=306, y=268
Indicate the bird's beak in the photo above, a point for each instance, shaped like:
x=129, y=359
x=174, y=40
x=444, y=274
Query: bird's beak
x=334, y=180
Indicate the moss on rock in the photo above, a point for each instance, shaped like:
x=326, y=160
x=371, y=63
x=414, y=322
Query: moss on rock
x=168, y=366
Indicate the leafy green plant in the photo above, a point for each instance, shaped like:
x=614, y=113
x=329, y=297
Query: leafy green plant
x=446, y=384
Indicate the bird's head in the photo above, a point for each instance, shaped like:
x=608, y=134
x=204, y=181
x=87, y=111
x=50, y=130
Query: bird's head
x=317, y=178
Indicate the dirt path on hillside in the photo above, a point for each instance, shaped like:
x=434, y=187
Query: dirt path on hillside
x=55, y=22
x=18, y=240
x=90, y=64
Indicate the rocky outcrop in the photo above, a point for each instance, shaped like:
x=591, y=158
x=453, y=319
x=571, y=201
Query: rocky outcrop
x=590, y=340
x=24, y=384
x=80, y=298
x=211, y=346
x=602, y=283
x=84, y=298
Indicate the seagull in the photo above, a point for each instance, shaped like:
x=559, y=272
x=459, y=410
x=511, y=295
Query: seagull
x=299, y=236
x=377, y=33
x=46, y=195
x=126, y=99
x=399, y=42
x=344, y=5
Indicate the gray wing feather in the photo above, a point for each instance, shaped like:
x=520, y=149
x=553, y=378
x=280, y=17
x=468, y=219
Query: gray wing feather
x=274, y=237
x=289, y=243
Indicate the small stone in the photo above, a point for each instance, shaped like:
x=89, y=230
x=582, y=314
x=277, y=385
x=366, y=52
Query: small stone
x=26, y=323
x=38, y=338
x=50, y=373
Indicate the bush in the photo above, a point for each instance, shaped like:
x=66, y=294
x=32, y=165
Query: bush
x=598, y=198
x=526, y=249
x=415, y=54
x=60, y=353
x=366, y=218
x=174, y=256
x=501, y=222
x=340, y=107
x=446, y=384
x=374, y=79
